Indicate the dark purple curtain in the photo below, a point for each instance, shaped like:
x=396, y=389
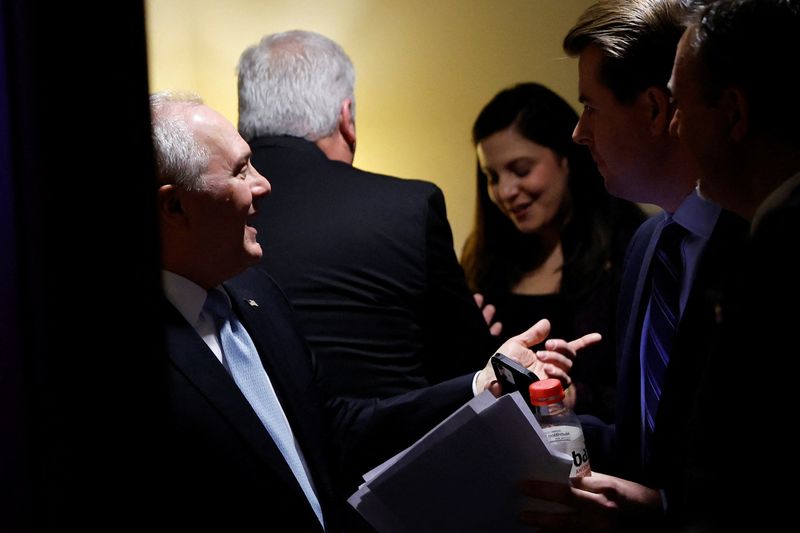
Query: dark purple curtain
x=81, y=356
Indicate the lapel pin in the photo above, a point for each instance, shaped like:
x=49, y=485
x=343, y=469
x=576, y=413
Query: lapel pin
x=252, y=303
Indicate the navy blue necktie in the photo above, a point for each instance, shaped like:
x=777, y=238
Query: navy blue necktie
x=665, y=289
x=241, y=359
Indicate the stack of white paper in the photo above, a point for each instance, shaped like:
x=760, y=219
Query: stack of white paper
x=463, y=475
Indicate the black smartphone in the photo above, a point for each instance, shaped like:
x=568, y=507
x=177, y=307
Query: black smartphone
x=512, y=375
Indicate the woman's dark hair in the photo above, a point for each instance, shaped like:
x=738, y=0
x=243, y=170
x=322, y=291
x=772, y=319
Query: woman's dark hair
x=496, y=254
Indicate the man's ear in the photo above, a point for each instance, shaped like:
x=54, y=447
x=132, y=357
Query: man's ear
x=657, y=104
x=347, y=126
x=736, y=109
x=169, y=202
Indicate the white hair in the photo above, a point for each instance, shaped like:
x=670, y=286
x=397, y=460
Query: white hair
x=179, y=158
x=293, y=83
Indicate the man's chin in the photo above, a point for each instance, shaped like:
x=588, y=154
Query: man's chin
x=255, y=253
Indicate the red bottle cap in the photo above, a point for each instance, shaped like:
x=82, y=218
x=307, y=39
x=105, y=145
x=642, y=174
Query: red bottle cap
x=546, y=391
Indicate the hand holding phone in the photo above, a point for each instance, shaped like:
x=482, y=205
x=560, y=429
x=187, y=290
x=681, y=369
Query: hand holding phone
x=511, y=375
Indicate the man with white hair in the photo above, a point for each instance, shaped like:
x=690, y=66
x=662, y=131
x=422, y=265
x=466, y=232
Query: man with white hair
x=246, y=429
x=367, y=260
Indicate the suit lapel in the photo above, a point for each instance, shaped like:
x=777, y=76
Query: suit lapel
x=642, y=258
x=718, y=268
x=630, y=316
x=284, y=356
x=256, y=317
x=192, y=357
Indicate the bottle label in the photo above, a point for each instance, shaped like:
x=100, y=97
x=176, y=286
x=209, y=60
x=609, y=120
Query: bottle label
x=569, y=439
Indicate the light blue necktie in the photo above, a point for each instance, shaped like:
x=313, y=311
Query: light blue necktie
x=665, y=288
x=241, y=359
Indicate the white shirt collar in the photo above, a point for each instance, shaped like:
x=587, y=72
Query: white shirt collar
x=187, y=296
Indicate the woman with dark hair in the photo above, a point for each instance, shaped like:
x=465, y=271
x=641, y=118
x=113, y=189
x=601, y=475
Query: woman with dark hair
x=548, y=240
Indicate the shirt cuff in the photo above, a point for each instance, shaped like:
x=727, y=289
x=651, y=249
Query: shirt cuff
x=475, y=390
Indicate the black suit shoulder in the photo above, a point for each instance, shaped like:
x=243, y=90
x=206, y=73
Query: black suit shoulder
x=368, y=263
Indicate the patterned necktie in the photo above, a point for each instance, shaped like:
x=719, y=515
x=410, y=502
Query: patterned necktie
x=242, y=361
x=665, y=289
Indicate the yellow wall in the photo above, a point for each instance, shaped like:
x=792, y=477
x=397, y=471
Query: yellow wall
x=424, y=69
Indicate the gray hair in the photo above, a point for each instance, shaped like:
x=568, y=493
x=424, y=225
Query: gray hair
x=179, y=158
x=293, y=83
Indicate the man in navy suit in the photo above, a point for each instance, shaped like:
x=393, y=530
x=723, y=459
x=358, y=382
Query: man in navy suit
x=625, y=52
x=225, y=471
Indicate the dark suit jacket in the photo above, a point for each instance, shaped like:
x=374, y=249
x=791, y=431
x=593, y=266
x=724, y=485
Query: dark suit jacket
x=743, y=450
x=697, y=333
x=368, y=263
x=225, y=472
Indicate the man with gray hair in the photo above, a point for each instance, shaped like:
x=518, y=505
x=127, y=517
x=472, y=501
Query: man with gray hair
x=367, y=260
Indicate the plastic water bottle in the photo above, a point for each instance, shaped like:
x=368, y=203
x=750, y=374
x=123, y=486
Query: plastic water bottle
x=561, y=426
